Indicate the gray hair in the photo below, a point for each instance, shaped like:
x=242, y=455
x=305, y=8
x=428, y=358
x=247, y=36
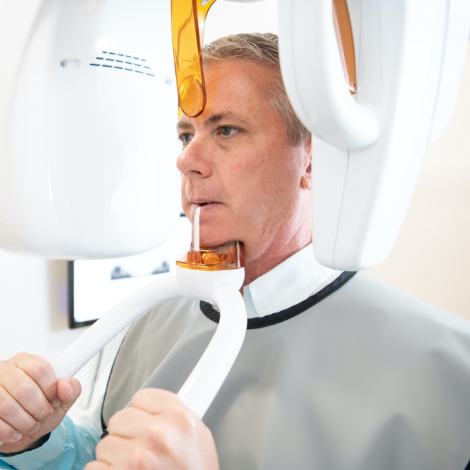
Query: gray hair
x=261, y=48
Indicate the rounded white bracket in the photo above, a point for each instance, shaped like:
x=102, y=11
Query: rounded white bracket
x=314, y=76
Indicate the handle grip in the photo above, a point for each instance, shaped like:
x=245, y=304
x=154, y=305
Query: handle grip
x=202, y=385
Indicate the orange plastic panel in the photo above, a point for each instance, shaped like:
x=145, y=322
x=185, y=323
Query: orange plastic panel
x=187, y=23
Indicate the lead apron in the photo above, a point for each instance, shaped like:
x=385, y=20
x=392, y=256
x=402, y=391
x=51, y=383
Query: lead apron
x=364, y=378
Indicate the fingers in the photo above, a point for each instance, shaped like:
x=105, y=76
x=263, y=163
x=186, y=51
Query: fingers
x=126, y=454
x=40, y=372
x=14, y=414
x=161, y=432
x=167, y=405
x=18, y=385
x=68, y=390
x=8, y=434
x=129, y=423
x=157, y=435
x=155, y=401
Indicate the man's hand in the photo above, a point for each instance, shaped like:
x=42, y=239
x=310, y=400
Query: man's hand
x=32, y=401
x=156, y=431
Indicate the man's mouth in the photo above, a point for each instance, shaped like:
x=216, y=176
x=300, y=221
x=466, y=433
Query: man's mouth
x=199, y=203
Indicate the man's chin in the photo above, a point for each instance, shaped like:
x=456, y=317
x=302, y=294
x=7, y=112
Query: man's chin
x=212, y=241
x=215, y=244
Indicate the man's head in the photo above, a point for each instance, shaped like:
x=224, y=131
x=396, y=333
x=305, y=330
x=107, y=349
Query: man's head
x=246, y=158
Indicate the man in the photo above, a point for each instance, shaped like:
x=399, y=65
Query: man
x=336, y=372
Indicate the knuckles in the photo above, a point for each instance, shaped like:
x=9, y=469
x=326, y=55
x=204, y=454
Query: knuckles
x=37, y=369
x=19, y=358
x=34, y=427
x=185, y=421
x=142, y=457
x=124, y=415
x=158, y=440
x=25, y=393
x=6, y=432
x=45, y=413
x=141, y=398
x=11, y=412
x=8, y=409
x=34, y=365
x=138, y=455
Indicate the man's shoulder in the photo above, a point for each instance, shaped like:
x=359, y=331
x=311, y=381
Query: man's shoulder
x=365, y=292
x=384, y=310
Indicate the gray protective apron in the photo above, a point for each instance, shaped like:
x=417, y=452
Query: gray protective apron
x=358, y=377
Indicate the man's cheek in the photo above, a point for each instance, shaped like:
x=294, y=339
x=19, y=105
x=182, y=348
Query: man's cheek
x=245, y=166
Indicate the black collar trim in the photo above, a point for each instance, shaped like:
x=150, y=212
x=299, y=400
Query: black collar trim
x=286, y=314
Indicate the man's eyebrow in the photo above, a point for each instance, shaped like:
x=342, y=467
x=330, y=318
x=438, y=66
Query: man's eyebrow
x=215, y=118
x=210, y=121
x=184, y=126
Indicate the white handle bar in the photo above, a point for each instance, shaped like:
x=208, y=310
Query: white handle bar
x=207, y=377
x=210, y=372
x=77, y=354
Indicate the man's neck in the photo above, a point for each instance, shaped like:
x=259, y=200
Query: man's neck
x=274, y=255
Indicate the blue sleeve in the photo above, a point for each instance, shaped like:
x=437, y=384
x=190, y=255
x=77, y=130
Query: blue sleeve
x=69, y=447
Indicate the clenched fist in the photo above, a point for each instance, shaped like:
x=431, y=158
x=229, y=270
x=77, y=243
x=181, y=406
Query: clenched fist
x=32, y=401
x=157, y=431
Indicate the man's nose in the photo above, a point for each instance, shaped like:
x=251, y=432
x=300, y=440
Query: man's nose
x=194, y=159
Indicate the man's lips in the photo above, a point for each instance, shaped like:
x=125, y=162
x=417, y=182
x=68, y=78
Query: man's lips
x=203, y=202
x=205, y=207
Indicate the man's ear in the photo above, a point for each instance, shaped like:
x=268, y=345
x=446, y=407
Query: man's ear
x=306, y=179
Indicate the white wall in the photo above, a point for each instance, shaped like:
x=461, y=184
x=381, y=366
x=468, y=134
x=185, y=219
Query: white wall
x=431, y=258
x=33, y=305
x=33, y=310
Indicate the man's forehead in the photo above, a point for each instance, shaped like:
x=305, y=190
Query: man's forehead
x=236, y=89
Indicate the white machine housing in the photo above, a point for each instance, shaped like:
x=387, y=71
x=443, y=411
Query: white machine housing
x=368, y=147
x=87, y=156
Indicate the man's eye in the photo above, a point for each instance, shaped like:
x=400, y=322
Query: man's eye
x=185, y=138
x=227, y=131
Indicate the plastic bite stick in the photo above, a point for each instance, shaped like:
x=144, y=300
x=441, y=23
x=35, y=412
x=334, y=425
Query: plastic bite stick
x=196, y=219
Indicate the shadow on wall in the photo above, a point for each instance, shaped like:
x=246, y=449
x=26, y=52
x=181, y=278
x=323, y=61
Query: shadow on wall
x=57, y=290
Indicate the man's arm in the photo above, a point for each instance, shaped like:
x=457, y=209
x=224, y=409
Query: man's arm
x=69, y=447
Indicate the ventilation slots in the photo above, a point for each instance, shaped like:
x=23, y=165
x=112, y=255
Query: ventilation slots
x=122, y=62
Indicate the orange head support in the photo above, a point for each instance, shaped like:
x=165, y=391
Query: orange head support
x=187, y=23
x=188, y=18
